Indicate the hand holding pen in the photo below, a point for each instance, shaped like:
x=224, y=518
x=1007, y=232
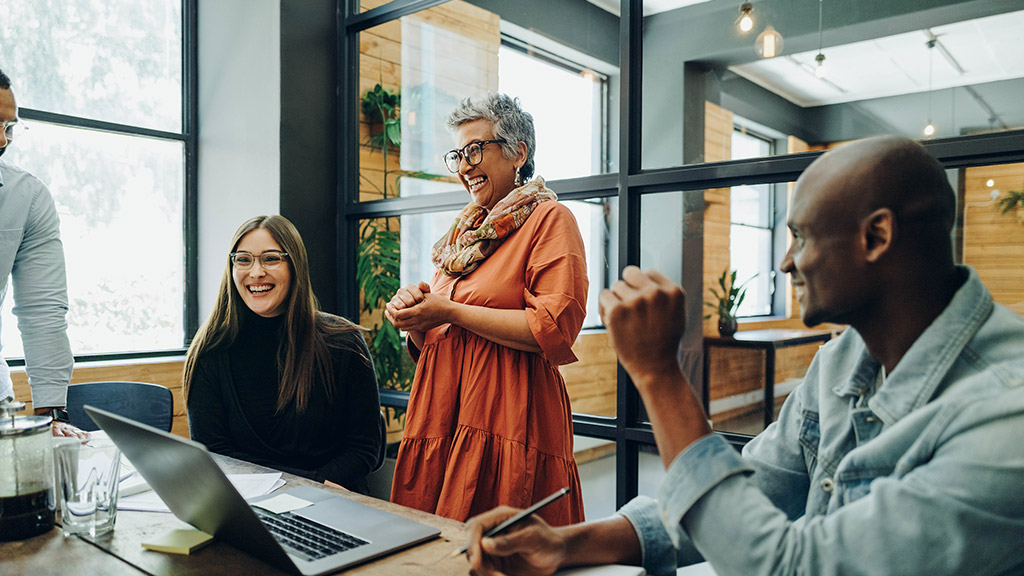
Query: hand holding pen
x=498, y=522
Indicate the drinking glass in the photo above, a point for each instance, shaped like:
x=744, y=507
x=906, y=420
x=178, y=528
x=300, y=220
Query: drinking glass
x=87, y=480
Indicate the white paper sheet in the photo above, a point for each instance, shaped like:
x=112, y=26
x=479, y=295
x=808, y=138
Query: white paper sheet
x=248, y=485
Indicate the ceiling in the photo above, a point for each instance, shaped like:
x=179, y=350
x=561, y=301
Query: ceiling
x=976, y=69
x=967, y=53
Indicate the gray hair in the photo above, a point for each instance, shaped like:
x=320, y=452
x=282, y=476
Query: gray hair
x=508, y=119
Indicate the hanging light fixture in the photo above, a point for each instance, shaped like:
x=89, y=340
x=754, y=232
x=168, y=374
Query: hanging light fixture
x=819, y=70
x=745, y=22
x=929, y=128
x=769, y=43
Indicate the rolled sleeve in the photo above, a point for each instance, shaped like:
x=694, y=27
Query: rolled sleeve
x=556, y=284
x=553, y=321
x=658, y=553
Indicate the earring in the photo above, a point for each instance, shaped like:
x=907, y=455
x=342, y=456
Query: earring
x=519, y=179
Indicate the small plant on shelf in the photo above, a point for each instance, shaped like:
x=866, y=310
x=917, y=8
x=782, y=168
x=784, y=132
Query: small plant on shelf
x=728, y=297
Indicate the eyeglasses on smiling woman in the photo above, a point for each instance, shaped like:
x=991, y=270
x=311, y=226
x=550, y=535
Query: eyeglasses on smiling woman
x=472, y=152
x=268, y=260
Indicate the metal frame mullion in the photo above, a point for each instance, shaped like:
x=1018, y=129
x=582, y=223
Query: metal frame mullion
x=103, y=126
x=630, y=77
x=347, y=225
x=190, y=122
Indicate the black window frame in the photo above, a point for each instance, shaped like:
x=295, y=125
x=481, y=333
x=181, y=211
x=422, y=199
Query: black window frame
x=627, y=429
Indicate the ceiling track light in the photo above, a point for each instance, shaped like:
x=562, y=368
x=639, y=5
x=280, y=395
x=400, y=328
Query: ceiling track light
x=745, y=22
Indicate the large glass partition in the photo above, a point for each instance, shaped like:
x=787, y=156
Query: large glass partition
x=693, y=173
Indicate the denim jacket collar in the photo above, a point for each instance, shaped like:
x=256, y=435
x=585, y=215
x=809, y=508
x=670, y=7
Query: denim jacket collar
x=922, y=369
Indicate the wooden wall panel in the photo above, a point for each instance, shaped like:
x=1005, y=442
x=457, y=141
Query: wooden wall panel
x=166, y=373
x=993, y=241
x=591, y=382
x=718, y=126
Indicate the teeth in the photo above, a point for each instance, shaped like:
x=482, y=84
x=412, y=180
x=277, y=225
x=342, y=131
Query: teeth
x=475, y=183
x=259, y=289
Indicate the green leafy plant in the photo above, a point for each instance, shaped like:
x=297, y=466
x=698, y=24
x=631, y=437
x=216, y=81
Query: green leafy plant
x=381, y=106
x=1013, y=199
x=378, y=262
x=727, y=298
x=379, y=255
x=378, y=259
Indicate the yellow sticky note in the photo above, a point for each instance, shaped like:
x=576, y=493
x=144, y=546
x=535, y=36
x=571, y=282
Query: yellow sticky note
x=178, y=541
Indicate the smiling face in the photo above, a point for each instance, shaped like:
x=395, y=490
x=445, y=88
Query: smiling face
x=265, y=292
x=494, y=177
x=829, y=277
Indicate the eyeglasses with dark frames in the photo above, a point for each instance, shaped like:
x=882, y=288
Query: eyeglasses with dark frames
x=472, y=152
x=268, y=260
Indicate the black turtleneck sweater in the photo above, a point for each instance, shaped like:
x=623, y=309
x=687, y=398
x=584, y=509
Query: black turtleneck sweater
x=233, y=398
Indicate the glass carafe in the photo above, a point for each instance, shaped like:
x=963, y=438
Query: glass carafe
x=27, y=498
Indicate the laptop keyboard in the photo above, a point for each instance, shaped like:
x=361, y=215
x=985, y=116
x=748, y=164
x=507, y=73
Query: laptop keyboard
x=306, y=538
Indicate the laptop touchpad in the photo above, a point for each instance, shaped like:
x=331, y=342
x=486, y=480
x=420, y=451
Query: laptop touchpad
x=342, y=514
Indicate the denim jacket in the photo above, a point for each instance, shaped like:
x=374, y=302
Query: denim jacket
x=925, y=477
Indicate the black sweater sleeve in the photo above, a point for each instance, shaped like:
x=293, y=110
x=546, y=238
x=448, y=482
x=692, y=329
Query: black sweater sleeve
x=357, y=410
x=208, y=414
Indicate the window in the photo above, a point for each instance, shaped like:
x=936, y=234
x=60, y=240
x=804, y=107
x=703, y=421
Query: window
x=102, y=86
x=752, y=230
x=571, y=140
x=692, y=67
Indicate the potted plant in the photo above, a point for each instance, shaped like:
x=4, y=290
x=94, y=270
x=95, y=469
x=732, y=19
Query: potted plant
x=727, y=301
x=379, y=255
x=1013, y=200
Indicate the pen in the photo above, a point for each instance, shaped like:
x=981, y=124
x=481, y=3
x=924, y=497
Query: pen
x=523, y=515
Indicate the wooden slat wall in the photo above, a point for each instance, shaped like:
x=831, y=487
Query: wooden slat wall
x=718, y=126
x=993, y=241
x=591, y=381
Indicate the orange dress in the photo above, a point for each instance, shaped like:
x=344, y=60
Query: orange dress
x=489, y=425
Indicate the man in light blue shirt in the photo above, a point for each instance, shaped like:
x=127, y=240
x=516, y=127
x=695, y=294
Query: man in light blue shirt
x=32, y=256
x=901, y=451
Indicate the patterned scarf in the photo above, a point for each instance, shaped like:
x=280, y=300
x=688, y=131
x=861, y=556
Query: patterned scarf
x=477, y=233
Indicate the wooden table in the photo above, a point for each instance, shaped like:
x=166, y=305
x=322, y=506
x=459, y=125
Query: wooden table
x=767, y=340
x=121, y=551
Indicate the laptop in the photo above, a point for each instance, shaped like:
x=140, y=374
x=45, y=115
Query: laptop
x=331, y=534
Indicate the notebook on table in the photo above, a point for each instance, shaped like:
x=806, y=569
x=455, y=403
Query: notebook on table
x=331, y=533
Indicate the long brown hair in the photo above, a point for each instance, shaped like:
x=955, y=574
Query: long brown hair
x=304, y=352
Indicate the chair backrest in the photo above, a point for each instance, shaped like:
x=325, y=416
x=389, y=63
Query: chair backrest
x=382, y=427
x=147, y=403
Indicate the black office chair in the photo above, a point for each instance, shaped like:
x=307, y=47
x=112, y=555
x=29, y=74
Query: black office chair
x=382, y=426
x=147, y=403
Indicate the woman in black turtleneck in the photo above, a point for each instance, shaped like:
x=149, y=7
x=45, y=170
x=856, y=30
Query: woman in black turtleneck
x=272, y=380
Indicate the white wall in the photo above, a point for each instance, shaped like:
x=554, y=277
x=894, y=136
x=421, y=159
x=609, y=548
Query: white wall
x=239, y=126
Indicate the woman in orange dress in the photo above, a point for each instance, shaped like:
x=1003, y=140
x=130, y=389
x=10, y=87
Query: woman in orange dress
x=489, y=421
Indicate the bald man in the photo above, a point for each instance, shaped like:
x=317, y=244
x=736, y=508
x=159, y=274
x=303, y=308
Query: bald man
x=901, y=451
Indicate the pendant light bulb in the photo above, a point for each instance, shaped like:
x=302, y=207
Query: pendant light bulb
x=820, y=70
x=769, y=43
x=745, y=22
x=929, y=128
